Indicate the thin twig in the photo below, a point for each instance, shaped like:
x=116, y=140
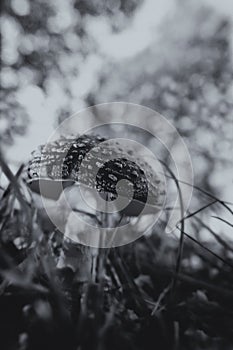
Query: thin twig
x=216, y=236
x=222, y=202
x=223, y=220
x=207, y=249
x=199, y=210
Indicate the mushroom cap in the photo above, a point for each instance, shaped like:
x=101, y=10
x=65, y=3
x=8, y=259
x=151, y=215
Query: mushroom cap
x=71, y=160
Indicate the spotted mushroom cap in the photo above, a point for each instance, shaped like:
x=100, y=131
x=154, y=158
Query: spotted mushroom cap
x=61, y=161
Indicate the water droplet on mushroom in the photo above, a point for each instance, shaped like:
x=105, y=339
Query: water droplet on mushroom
x=81, y=144
x=119, y=165
x=134, y=173
x=112, y=177
x=138, y=185
x=106, y=151
x=98, y=164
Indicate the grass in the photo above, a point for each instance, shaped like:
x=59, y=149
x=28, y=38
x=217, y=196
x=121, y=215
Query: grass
x=157, y=293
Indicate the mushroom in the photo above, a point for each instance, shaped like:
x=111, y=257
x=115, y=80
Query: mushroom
x=69, y=162
x=56, y=166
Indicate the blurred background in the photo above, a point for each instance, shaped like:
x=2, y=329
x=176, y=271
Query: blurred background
x=173, y=56
x=176, y=57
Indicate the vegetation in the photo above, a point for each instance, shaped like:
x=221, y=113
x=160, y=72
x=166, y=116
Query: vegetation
x=138, y=299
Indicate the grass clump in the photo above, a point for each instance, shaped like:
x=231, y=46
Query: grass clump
x=152, y=294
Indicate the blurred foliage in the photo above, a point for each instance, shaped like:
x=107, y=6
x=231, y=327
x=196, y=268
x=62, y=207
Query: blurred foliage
x=13, y=119
x=44, y=42
x=186, y=75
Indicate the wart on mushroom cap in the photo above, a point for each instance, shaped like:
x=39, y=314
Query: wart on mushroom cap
x=59, y=163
